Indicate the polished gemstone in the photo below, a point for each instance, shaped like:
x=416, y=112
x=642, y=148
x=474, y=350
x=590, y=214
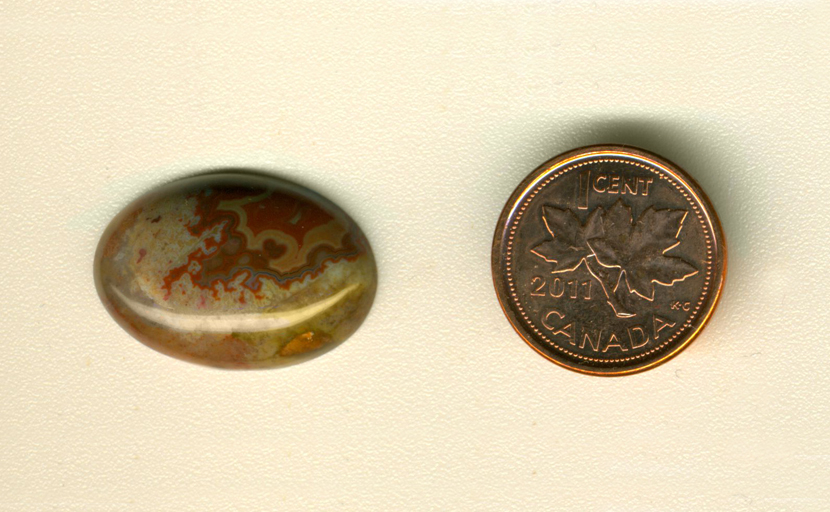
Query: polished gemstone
x=236, y=270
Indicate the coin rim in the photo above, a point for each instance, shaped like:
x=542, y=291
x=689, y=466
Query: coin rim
x=499, y=248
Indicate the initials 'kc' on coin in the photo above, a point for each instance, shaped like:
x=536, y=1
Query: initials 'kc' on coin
x=608, y=260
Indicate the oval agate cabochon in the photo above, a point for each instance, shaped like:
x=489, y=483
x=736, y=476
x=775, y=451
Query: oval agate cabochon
x=236, y=271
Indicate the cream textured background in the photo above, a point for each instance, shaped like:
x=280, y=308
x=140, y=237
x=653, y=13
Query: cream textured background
x=418, y=118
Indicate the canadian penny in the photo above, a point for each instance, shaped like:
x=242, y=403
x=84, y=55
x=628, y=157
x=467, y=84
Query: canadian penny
x=608, y=260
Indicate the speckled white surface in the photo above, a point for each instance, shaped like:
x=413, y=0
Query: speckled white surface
x=418, y=118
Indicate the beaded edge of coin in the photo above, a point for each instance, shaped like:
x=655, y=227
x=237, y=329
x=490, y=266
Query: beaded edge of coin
x=503, y=248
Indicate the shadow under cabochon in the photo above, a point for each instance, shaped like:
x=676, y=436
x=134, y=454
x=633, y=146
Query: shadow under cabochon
x=236, y=270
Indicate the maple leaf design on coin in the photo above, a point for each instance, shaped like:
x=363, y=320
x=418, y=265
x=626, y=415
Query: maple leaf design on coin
x=569, y=244
x=626, y=257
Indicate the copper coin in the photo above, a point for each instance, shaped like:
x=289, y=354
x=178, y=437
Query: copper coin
x=608, y=260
